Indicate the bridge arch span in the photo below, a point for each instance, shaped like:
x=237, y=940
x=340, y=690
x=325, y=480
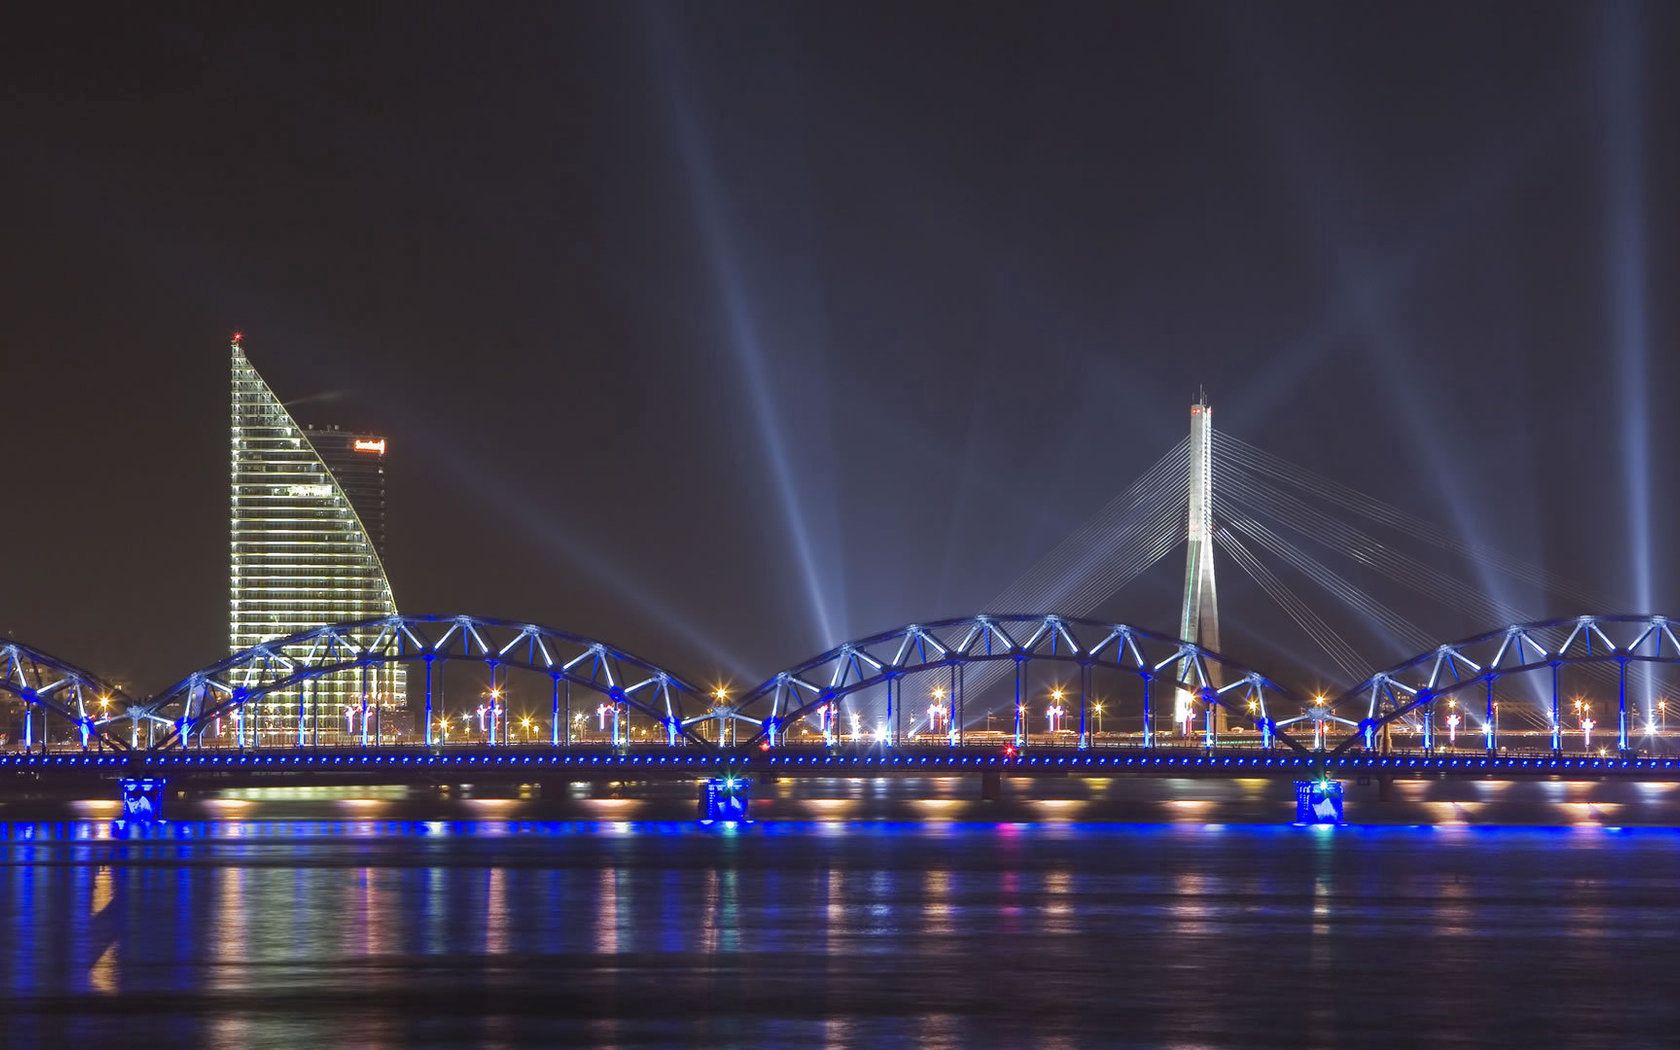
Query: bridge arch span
x=1463, y=674
x=626, y=685
x=49, y=686
x=817, y=688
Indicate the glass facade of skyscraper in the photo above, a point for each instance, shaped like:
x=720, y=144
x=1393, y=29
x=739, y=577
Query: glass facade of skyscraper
x=302, y=555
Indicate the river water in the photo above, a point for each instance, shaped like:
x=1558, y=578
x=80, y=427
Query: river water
x=383, y=933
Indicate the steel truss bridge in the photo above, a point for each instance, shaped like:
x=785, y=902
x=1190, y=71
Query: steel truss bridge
x=1077, y=695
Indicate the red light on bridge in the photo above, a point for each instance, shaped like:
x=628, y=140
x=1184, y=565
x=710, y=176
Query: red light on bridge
x=238, y=337
x=374, y=445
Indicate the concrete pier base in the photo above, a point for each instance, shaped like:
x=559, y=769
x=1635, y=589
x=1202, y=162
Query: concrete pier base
x=725, y=798
x=142, y=799
x=1318, y=802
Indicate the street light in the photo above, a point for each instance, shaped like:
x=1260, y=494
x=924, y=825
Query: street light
x=1097, y=709
x=1053, y=718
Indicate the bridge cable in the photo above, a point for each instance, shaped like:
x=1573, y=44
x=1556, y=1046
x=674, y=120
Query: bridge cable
x=1260, y=461
x=1346, y=658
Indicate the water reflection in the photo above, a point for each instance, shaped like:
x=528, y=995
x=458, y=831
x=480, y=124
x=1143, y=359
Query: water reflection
x=388, y=933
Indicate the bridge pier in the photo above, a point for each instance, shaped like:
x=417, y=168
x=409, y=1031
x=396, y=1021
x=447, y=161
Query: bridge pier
x=142, y=799
x=1318, y=801
x=991, y=785
x=725, y=798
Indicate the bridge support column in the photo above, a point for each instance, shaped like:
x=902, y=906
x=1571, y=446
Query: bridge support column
x=1084, y=703
x=991, y=785
x=429, y=700
x=1621, y=704
x=554, y=711
x=1557, y=724
x=953, y=719
x=1148, y=712
x=958, y=722
x=894, y=702
x=1488, y=720
x=1020, y=711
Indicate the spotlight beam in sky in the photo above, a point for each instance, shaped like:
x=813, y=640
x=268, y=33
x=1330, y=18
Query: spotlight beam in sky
x=710, y=206
x=1624, y=188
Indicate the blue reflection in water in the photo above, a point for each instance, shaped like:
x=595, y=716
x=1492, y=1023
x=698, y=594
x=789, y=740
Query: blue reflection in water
x=534, y=933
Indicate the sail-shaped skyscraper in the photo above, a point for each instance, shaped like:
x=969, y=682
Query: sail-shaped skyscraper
x=301, y=555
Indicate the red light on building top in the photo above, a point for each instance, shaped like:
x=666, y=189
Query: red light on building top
x=374, y=445
x=238, y=337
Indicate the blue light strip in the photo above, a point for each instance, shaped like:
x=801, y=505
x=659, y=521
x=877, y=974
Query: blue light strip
x=1469, y=766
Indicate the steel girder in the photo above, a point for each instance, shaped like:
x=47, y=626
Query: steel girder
x=79, y=697
x=1457, y=667
x=74, y=695
x=286, y=662
x=808, y=687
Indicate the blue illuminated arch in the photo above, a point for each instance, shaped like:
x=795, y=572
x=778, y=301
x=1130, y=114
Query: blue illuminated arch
x=77, y=696
x=806, y=688
x=283, y=663
x=1456, y=668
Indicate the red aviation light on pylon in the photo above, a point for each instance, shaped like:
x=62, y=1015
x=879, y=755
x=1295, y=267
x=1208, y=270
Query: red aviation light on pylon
x=238, y=337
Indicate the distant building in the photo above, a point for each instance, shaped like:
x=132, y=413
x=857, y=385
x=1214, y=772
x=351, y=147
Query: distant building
x=357, y=460
x=307, y=537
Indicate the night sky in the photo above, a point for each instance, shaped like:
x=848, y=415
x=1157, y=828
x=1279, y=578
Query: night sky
x=697, y=327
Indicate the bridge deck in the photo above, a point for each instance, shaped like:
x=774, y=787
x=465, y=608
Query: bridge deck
x=411, y=764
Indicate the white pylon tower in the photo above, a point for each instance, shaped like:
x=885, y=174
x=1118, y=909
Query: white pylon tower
x=1200, y=620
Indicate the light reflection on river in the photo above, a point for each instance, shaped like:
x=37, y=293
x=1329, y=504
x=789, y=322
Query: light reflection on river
x=367, y=933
